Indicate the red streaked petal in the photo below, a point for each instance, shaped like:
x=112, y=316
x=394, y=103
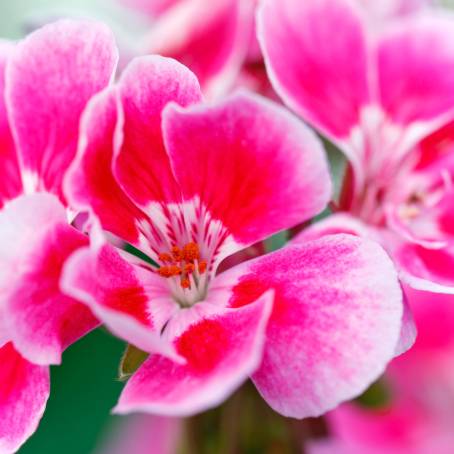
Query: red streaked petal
x=336, y=319
x=221, y=351
x=253, y=166
x=90, y=184
x=132, y=301
x=37, y=240
x=142, y=166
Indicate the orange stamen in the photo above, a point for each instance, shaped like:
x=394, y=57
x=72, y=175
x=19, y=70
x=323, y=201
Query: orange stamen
x=180, y=262
x=165, y=257
x=191, y=252
x=185, y=283
x=164, y=271
x=177, y=253
x=175, y=270
x=189, y=268
x=202, y=266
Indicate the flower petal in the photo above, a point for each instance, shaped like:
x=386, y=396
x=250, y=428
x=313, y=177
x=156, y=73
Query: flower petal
x=314, y=74
x=426, y=269
x=386, y=10
x=50, y=77
x=408, y=331
x=151, y=7
x=118, y=293
x=344, y=223
x=212, y=42
x=416, y=67
x=89, y=184
x=253, y=166
x=10, y=184
x=146, y=87
x=335, y=323
x=23, y=397
x=36, y=241
x=221, y=350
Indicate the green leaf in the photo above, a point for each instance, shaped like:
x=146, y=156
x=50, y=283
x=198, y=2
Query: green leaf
x=132, y=359
x=276, y=241
x=136, y=252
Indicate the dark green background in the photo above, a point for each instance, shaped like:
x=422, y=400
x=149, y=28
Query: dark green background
x=84, y=389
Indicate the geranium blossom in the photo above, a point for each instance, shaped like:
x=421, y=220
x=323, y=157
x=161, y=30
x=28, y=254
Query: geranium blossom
x=190, y=183
x=213, y=40
x=377, y=107
x=417, y=416
x=45, y=82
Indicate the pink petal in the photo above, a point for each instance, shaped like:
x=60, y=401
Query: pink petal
x=335, y=323
x=146, y=87
x=23, y=397
x=89, y=184
x=336, y=223
x=434, y=314
x=151, y=7
x=50, y=78
x=135, y=435
x=387, y=10
x=427, y=269
x=321, y=78
x=36, y=241
x=344, y=223
x=416, y=69
x=408, y=331
x=254, y=166
x=118, y=293
x=212, y=41
x=10, y=184
x=221, y=350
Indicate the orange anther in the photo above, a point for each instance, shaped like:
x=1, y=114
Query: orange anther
x=177, y=253
x=202, y=266
x=164, y=271
x=190, y=252
x=175, y=270
x=165, y=257
x=189, y=268
x=185, y=283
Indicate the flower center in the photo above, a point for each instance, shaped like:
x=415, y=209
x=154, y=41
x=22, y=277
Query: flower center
x=186, y=271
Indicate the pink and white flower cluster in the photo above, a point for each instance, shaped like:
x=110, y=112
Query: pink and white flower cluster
x=93, y=160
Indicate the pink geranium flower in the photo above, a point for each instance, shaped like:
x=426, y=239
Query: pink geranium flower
x=45, y=82
x=189, y=184
x=377, y=94
x=213, y=40
x=417, y=419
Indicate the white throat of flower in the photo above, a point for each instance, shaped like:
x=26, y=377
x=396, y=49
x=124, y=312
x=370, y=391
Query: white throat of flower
x=186, y=272
x=188, y=244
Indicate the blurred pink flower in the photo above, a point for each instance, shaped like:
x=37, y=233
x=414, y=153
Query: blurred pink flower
x=45, y=82
x=384, y=10
x=143, y=434
x=189, y=184
x=214, y=40
x=377, y=96
x=418, y=419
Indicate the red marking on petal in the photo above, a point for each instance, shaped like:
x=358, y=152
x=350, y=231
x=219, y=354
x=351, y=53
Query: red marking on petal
x=203, y=345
